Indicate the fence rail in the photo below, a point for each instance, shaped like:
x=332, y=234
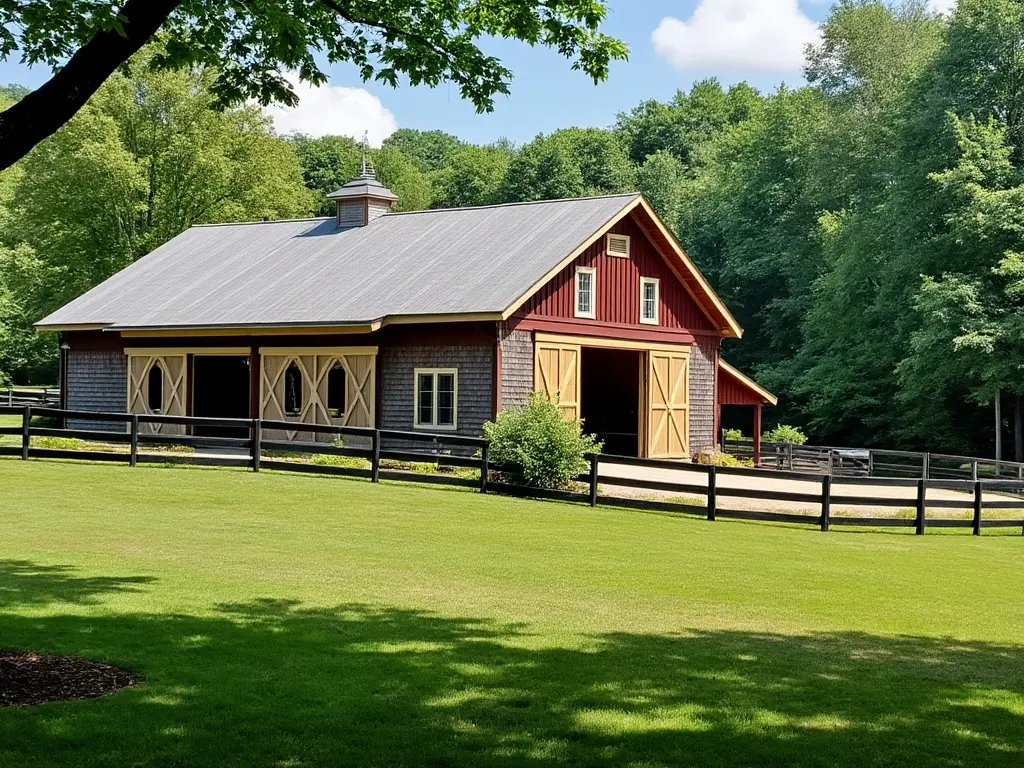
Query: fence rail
x=12, y=397
x=257, y=453
x=872, y=462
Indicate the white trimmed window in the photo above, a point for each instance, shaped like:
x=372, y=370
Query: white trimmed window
x=437, y=398
x=649, y=295
x=617, y=245
x=586, y=292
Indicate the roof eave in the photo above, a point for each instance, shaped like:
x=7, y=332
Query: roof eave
x=748, y=382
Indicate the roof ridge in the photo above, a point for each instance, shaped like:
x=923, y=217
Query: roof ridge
x=624, y=195
x=269, y=221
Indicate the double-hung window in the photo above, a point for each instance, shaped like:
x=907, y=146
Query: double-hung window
x=437, y=398
x=649, y=289
x=586, y=292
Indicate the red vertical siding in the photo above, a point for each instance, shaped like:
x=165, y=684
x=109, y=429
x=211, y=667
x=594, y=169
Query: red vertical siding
x=731, y=391
x=618, y=288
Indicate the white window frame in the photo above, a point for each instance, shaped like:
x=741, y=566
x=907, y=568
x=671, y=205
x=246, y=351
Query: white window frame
x=608, y=249
x=432, y=424
x=644, y=282
x=592, y=314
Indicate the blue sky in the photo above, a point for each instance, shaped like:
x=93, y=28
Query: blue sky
x=672, y=45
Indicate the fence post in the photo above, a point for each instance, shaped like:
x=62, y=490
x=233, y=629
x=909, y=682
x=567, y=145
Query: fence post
x=375, y=465
x=926, y=464
x=257, y=444
x=922, y=489
x=974, y=471
x=826, y=502
x=712, y=492
x=789, y=456
x=133, y=457
x=830, y=460
x=594, y=471
x=26, y=422
x=485, y=462
x=10, y=397
x=871, y=463
x=977, y=508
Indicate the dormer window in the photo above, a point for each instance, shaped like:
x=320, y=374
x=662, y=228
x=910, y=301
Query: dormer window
x=586, y=292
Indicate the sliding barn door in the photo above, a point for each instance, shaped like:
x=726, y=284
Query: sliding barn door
x=668, y=405
x=557, y=374
x=354, y=409
x=157, y=383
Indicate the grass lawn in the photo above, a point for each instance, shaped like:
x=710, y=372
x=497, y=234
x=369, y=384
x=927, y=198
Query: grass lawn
x=286, y=620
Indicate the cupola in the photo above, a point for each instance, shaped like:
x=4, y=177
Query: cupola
x=363, y=199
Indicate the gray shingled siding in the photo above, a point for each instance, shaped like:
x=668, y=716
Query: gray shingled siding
x=376, y=209
x=475, y=365
x=703, y=360
x=516, y=368
x=97, y=381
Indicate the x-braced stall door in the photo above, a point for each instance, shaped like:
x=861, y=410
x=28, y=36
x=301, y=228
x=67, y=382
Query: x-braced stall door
x=557, y=374
x=157, y=385
x=296, y=385
x=668, y=404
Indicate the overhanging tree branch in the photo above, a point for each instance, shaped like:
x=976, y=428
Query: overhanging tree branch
x=46, y=109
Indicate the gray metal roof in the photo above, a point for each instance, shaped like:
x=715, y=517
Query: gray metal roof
x=456, y=261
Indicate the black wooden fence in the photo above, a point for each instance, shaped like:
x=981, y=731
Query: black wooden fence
x=873, y=462
x=596, y=487
x=17, y=397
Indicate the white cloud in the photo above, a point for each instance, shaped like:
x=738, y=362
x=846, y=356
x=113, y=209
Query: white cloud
x=750, y=34
x=334, y=109
x=941, y=6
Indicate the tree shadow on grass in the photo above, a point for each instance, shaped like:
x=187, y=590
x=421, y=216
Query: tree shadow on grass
x=274, y=682
x=25, y=583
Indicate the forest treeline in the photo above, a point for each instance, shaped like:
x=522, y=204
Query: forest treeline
x=866, y=228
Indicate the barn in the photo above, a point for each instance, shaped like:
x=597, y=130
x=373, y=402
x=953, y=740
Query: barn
x=433, y=320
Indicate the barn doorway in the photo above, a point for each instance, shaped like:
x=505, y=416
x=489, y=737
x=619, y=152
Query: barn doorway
x=610, y=398
x=220, y=389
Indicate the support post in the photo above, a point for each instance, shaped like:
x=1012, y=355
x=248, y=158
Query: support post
x=757, y=435
x=926, y=464
x=789, y=456
x=712, y=492
x=922, y=489
x=826, y=502
x=375, y=465
x=133, y=458
x=485, y=463
x=257, y=444
x=1018, y=429
x=974, y=471
x=977, y=509
x=26, y=423
x=999, y=431
x=594, y=472
x=871, y=462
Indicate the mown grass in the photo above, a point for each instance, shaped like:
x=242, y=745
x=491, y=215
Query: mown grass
x=303, y=621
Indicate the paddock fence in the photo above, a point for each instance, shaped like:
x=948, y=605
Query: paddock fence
x=11, y=397
x=705, y=490
x=873, y=462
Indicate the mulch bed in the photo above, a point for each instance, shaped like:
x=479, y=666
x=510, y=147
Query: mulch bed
x=34, y=678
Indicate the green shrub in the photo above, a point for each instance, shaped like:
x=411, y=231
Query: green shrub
x=716, y=458
x=734, y=434
x=783, y=433
x=548, y=449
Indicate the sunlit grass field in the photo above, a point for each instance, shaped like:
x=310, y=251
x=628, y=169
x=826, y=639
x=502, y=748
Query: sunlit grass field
x=286, y=620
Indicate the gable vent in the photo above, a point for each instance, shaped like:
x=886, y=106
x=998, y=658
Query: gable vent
x=618, y=245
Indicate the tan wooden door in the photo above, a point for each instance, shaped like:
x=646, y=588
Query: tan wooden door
x=668, y=404
x=557, y=374
x=174, y=374
x=314, y=368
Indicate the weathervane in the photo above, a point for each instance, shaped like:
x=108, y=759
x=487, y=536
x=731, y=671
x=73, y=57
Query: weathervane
x=367, y=171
